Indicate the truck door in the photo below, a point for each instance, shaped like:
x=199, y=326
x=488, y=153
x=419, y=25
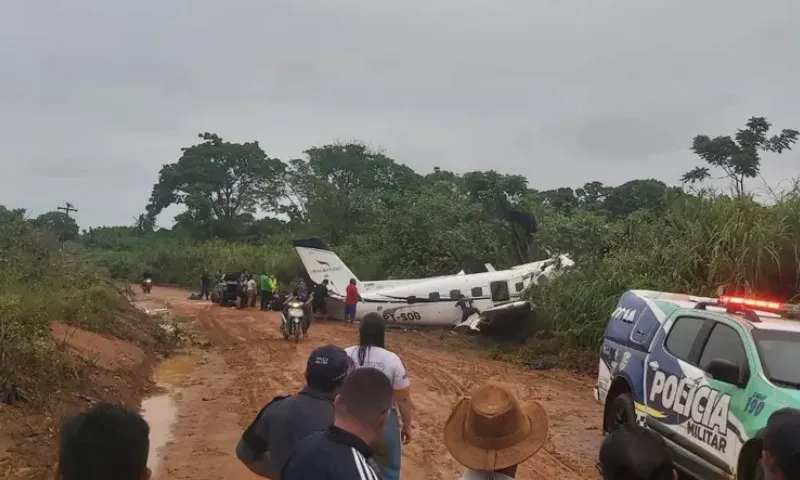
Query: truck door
x=714, y=408
x=674, y=349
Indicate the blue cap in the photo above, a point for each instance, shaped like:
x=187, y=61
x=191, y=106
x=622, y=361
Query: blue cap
x=328, y=363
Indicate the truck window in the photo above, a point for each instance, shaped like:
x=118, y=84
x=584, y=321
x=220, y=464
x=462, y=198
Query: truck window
x=723, y=343
x=682, y=336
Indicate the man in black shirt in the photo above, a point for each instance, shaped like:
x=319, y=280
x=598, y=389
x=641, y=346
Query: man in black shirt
x=205, y=284
x=318, y=306
x=342, y=451
x=270, y=440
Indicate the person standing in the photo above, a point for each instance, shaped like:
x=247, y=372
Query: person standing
x=371, y=352
x=266, y=291
x=780, y=454
x=490, y=433
x=352, y=297
x=205, y=282
x=318, y=306
x=242, y=288
x=252, y=291
x=342, y=451
x=272, y=437
x=634, y=452
x=106, y=441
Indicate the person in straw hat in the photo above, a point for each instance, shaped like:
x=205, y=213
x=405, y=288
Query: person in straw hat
x=490, y=433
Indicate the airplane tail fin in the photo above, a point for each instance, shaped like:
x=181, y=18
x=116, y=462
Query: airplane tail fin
x=322, y=263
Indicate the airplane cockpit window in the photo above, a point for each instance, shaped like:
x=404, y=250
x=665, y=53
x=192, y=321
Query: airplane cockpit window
x=455, y=294
x=500, y=291
x=477, y=291
x=519, y=287
x=434, y=296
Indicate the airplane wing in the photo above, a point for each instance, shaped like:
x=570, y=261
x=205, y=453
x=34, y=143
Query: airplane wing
x=506, y=308
x=489, y=315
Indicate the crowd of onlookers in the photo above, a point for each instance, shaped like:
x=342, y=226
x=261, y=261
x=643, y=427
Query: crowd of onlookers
x=354, y=413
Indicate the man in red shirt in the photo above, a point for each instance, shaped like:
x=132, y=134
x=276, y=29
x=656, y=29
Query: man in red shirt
x=351, y=298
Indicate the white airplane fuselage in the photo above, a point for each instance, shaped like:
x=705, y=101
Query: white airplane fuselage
x=430, y=301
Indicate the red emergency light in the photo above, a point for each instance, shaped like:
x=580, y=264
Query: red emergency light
x=751, y=302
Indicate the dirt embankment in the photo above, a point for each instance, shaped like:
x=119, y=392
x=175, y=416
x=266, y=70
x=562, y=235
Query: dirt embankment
x=248, y=363
x=106, y=369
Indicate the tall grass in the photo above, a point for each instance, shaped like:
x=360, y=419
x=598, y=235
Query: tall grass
x=697, y=246
x=42, y=281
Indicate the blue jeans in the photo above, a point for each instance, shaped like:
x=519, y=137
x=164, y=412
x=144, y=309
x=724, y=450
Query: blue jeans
x=391, y=438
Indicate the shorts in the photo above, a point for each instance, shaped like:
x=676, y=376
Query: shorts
x=319, y=307
x=350, y=309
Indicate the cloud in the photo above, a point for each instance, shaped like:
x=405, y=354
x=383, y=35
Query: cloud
x=98, y=95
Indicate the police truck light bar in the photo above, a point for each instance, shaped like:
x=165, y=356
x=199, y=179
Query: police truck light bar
x=751, y=302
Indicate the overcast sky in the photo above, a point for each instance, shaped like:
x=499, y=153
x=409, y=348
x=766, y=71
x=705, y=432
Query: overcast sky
x=96, y=95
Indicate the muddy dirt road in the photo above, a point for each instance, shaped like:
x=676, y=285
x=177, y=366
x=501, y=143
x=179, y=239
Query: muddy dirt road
x=217, y=390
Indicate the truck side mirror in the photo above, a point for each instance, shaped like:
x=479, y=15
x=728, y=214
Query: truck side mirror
x=726, y=371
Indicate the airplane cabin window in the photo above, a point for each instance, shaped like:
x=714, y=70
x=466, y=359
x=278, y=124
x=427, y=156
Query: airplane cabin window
x=477, y=291
x=499, y=291
x=519, y=287
x=455, y=294
x=434, y=296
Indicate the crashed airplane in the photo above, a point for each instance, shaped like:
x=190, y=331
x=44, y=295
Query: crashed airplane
x=465, y=300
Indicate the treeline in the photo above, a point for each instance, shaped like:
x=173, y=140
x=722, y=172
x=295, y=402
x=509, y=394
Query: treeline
x=242, y=208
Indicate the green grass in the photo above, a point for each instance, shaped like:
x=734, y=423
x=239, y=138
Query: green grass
x=42, y=281
x=699, y=245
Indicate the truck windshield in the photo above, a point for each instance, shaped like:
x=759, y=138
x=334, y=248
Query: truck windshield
x=780, y=355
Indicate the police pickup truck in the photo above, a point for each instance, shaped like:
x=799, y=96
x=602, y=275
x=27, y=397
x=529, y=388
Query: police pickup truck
x=704, y=373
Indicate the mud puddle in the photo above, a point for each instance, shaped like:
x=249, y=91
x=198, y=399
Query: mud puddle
x=161, y=410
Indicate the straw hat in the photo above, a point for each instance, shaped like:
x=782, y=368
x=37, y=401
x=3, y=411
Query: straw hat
x=490, y=430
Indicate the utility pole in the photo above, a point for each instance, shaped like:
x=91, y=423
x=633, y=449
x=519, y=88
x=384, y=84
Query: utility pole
x=68, y=207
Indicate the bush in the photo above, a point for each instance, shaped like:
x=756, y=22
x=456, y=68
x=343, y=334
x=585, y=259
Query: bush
x=696, y=246
x=42, y=281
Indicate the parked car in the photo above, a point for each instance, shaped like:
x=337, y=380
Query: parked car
x=226, y=291
x=705, y=373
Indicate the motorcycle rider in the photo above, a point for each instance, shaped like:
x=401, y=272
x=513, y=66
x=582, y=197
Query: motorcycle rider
x=147, y=279
x=301, y=295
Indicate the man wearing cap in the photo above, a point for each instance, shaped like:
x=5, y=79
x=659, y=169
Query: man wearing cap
x=342, y=451
x=270, y=440
x=490, y=433
x=780, y=455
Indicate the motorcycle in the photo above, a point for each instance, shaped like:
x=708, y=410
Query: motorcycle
x=147, y=285
x=293, y=321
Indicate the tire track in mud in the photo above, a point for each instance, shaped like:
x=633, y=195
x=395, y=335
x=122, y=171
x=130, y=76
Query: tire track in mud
x=249, y=363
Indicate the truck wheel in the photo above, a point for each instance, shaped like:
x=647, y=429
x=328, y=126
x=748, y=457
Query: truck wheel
x=619, y=411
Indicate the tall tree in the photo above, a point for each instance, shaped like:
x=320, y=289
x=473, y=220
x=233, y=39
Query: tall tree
x=339, y=187
x=739, y=157
x=218, y=181
x=59, y=223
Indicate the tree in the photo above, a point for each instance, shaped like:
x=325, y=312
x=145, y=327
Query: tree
x=738, y=158
x=59, y=223
x=649, y=194
x=218, y=181
x=339, y=188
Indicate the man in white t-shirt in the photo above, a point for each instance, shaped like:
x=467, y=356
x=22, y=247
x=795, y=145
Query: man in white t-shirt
x=370, y=352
